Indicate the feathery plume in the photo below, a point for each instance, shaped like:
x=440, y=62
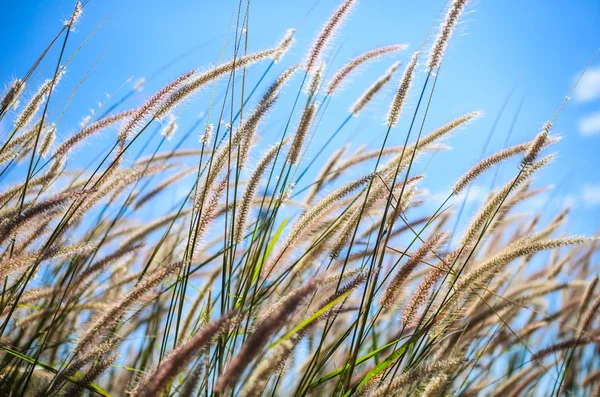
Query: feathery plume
x=26, y=321
x=30, y=214
x=390, y=295
x=319, y=209
x=379, y=192
x=301, y=132
x=245, y=146
x=191, y=382
x=100, y=265
x=75, y=16
x=521, y=387
x=36, y=101
x=162, y=186
x=420, y=295
x=47, y=142
x=354, y=63
x=316, y=78
x=193, y=86
x=95, y=371
x=209, y=210
x=146, y=110
x=245, y=131
x=272, y=92
x=488, y=162
x=284, y=45
x=402, y=92
x=112, y=315
x=435, y=386
x=418, y=373
x=181, y=357
x=169, y=130
x=250, y=191
x=75, y=365
x=25, y=140
x=588, y=317
x=10, y=97
x=465, y=286
x=321, y=178
x=373, y=89
x=447, y=128
x=587, y=295
x=567, y=344
x=260, y=376
x=116, y=184
x=344, y=290
x=494, y=203
x=326, y=282
x=511, y=383
x=536, y=146
x=206, y=137
x=327, y=32
x=23, y=262
x=255, y=342
x=76, y=139
x=446, y=29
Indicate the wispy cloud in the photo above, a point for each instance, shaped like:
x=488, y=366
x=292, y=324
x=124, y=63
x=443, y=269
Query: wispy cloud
x=590, y=194
x=477, y=194
x=590, y=124
x=589, y=86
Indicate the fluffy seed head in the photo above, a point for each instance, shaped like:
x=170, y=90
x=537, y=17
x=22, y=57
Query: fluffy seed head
x=49, y=138
x=537, y=145
x=10, y=97
x=302, y=131
x=316, y=78
x=327, y=33
x=446, y=29
x=206, y=137
x=251, y=187
x=486, y=164
x=351, y=66
x=180, y=357
x=169, y=130
x=402, y=93
x=194, y=85
x=36, y=101
x=259, y=338
x=392, y=292
x=447, y=128
x=75, y=16
x=284, y=45
x=146, y=110
x=96, y=327
x=90, y=130
x=568, y=344
x=370, y=92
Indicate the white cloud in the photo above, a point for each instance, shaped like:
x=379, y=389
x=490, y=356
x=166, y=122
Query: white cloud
x=591, y=194
x=590, y=124
x=477, y=195
x=588, y=88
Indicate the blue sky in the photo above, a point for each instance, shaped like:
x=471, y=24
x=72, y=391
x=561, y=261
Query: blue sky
x=529, y=51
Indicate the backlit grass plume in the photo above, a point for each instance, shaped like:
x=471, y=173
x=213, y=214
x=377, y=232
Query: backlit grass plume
x=327, y=33
x=250, y=244
x=351, y=66
x=402, y=92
